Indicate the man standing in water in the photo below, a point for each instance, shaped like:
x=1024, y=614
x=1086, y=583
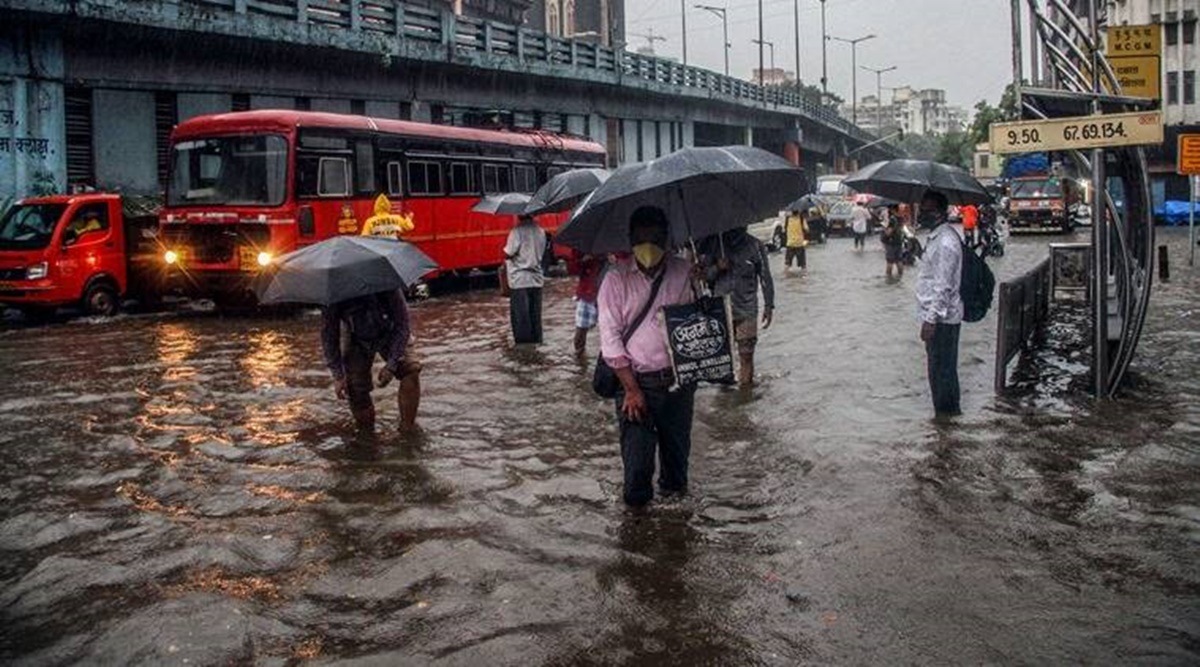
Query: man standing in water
x=651, y=416
x=523, y=254
x=939, y=302
x=736, y=265
x=860, y=220
x=352, y=333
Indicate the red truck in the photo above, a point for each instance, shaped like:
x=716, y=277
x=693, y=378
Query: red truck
x=77, y=250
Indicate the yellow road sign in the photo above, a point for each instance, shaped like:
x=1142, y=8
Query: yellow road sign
x=1188, y=155
x=1078, y=133
x=1133, y=40
x=1138, y=75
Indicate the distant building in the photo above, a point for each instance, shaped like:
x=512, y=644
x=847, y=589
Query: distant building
x=985, y=166
x=914, y=111
x=595, y=20
x=773, y=76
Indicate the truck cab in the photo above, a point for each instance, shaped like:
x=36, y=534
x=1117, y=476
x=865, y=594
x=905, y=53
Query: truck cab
x=1041, y=202
x=75, y=250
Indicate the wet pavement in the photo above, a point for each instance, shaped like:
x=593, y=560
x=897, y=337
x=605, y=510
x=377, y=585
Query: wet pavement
x=184, y=489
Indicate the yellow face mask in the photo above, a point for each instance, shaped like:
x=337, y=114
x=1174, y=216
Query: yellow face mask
x=648, y=255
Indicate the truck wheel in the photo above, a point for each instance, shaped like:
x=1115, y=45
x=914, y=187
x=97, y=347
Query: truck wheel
x=101, y=299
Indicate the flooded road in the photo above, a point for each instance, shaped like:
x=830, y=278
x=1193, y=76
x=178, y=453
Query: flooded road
x=186, y=490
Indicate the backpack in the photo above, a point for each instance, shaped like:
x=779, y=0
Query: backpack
x=366, y=320
x=977, y=285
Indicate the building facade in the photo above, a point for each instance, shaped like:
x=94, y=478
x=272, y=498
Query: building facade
x=1180, y=62
x=597, y=20
x=913, y=111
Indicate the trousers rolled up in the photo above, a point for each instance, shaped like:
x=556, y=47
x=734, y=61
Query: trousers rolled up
x=942, y=362
x=358, y=359
x=666, y=432
x=525, y=312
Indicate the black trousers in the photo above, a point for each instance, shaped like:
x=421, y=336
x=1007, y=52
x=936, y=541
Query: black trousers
x=942, y=353
x=525, y=311
x=797, y=254
x=667, y=429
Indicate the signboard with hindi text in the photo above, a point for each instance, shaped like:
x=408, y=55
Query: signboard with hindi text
x=1133, y=40
x=700, y=340
x=1188, y=156
x=1077, y=133
x=1139, y=76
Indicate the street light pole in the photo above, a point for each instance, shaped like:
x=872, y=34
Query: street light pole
x=825, y=57
x=683, y=19
x=771, y=45
x=720, y=11
x=796, y=15
x=879, y=93
x=853, y=72
x=760, y=44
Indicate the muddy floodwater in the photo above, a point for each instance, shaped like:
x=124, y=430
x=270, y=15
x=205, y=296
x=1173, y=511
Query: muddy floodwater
x=185, y=489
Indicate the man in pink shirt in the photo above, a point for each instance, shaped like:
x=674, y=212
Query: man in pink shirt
x=651, y=415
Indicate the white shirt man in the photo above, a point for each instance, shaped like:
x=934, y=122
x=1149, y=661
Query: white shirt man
x=939, y=303
x=523, y=254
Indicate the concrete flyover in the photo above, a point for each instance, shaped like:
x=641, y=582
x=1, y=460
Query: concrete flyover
x=99, y=84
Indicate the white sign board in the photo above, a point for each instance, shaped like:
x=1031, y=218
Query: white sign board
x=1078, y=133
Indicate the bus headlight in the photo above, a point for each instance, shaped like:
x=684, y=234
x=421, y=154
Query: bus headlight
x=264, y=258
x=170, y=257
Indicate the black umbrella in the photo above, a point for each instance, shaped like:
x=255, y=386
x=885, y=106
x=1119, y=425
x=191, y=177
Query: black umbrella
x=509, y=203
x=882, y=202
x=909, y=180
x=341, y=268
x=563, y=191
x=703, y=191
x=804, y=203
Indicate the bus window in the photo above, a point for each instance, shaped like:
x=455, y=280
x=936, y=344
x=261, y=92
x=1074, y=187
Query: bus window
x=333, y=177
x=462, y=179
x=364, y=167
x=496, y=179
x=524, y=179
x=395, y=182
x=424, y=178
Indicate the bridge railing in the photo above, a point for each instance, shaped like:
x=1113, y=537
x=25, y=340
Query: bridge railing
x=465, y=36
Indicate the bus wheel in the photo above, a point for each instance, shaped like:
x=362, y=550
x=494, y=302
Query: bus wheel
x=101, y=299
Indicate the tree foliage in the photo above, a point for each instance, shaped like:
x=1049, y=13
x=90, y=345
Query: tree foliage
x=986, y=114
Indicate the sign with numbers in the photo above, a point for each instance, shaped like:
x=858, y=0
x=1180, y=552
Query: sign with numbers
x=1078, y=133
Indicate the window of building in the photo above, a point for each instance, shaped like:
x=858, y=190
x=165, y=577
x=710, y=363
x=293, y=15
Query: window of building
x=333, y=177
x=424, y=178
x=553, y=26
x=1172, y=33
x=364, y=166
x=569, y=18
x=462, y=179
x=496, y=179
x=983, y=161
x=1189, y=87
x=1189, y=32
x=395, y=182
x=524, y=179
x=1172, y=87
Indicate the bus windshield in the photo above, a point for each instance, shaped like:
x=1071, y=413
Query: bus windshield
x=1036, y=189
x=29, y=227
x=230, y=171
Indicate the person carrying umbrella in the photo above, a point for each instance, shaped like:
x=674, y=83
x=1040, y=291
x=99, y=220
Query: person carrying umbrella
x=939, y=302
x=353, y=333
x=358, y=281
x=735, y=264
x=652, y=416
x=524, y=252
x=892, y=237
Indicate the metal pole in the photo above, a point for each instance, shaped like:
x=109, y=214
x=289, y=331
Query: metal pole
x=854, y=82
x=879, y=101
x=760, y=44
x=1099, y=233
x=725, y=33
x=1194, y=181
x=683, y=20
x=825, y=56
x=796, y=14
x=1018, y=75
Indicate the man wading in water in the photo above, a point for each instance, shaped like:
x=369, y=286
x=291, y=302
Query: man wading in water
x=353, y=332
x=651, y=416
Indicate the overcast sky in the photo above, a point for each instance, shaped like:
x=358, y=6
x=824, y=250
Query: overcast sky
x=961, y=46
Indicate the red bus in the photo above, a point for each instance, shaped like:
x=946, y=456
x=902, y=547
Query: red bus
x=246, y=187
